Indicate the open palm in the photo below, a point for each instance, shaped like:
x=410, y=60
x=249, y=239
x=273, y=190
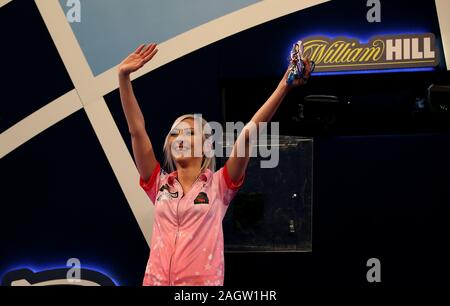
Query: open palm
x=138, y=58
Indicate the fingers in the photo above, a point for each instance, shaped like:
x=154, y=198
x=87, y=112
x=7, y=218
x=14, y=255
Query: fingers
x=307, y=63
x=139, y=49
x=144, y=49
x=308, y=67
x=150, y=56
x=148, y=50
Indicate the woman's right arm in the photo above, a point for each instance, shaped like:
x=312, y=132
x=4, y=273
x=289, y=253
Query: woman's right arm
x=142, y=147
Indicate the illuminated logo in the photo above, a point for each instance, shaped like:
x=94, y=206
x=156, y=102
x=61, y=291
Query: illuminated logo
x=381, y=52
x=56, y=277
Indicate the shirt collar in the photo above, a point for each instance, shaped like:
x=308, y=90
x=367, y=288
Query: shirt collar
x=206, y=174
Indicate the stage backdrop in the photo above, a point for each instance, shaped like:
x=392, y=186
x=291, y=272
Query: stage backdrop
x=69, y=187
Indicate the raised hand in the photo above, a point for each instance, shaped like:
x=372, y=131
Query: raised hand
x=138, y=58
x=302, y=81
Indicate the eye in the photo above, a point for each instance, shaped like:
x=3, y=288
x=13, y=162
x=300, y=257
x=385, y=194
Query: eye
x=174, y=132
x=189, y=132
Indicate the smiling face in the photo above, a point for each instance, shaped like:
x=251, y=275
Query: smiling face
x=186, y=142
x=189, y=142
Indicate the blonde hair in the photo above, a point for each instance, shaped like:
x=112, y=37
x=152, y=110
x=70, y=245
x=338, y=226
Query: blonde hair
x=169, y=163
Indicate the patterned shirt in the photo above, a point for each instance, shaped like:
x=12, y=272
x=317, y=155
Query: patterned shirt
x=187, y=243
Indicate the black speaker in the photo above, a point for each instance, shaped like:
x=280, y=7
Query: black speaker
x=439, y=98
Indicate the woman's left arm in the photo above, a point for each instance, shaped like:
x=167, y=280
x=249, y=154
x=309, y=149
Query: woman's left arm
x=237, y=166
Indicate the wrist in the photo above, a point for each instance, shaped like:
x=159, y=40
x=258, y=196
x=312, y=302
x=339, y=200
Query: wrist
x=123, y=73
x=284, y=86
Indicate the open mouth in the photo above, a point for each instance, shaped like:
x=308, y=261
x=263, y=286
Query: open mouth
x=181, y=149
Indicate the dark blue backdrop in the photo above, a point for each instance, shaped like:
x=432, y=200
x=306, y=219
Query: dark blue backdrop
x=379, y=196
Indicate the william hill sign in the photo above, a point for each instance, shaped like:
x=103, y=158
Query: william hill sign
x=382, y=52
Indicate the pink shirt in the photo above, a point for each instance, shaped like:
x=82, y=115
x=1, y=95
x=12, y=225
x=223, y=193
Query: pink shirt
x=187, y=243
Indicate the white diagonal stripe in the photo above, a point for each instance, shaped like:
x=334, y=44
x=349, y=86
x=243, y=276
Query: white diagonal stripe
x=122, y=163
x=39, y=121
x=98, y=113
x=89, y=90
x=4, y=2
x=69, y=49
x=209, y=33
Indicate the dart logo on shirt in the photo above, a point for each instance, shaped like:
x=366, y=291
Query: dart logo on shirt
x=166, y=194
x=202, y=198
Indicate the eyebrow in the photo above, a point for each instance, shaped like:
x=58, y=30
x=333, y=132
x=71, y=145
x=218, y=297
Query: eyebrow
x=178, y=129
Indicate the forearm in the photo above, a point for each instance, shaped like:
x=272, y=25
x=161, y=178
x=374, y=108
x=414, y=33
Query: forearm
x=244, y=144
x=268, y=109
x=142, y=147
x=264, y=114
x=242, y=149
x=133, y=114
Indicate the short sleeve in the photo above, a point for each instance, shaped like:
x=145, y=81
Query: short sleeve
x=227, y=187
x=151, y=186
